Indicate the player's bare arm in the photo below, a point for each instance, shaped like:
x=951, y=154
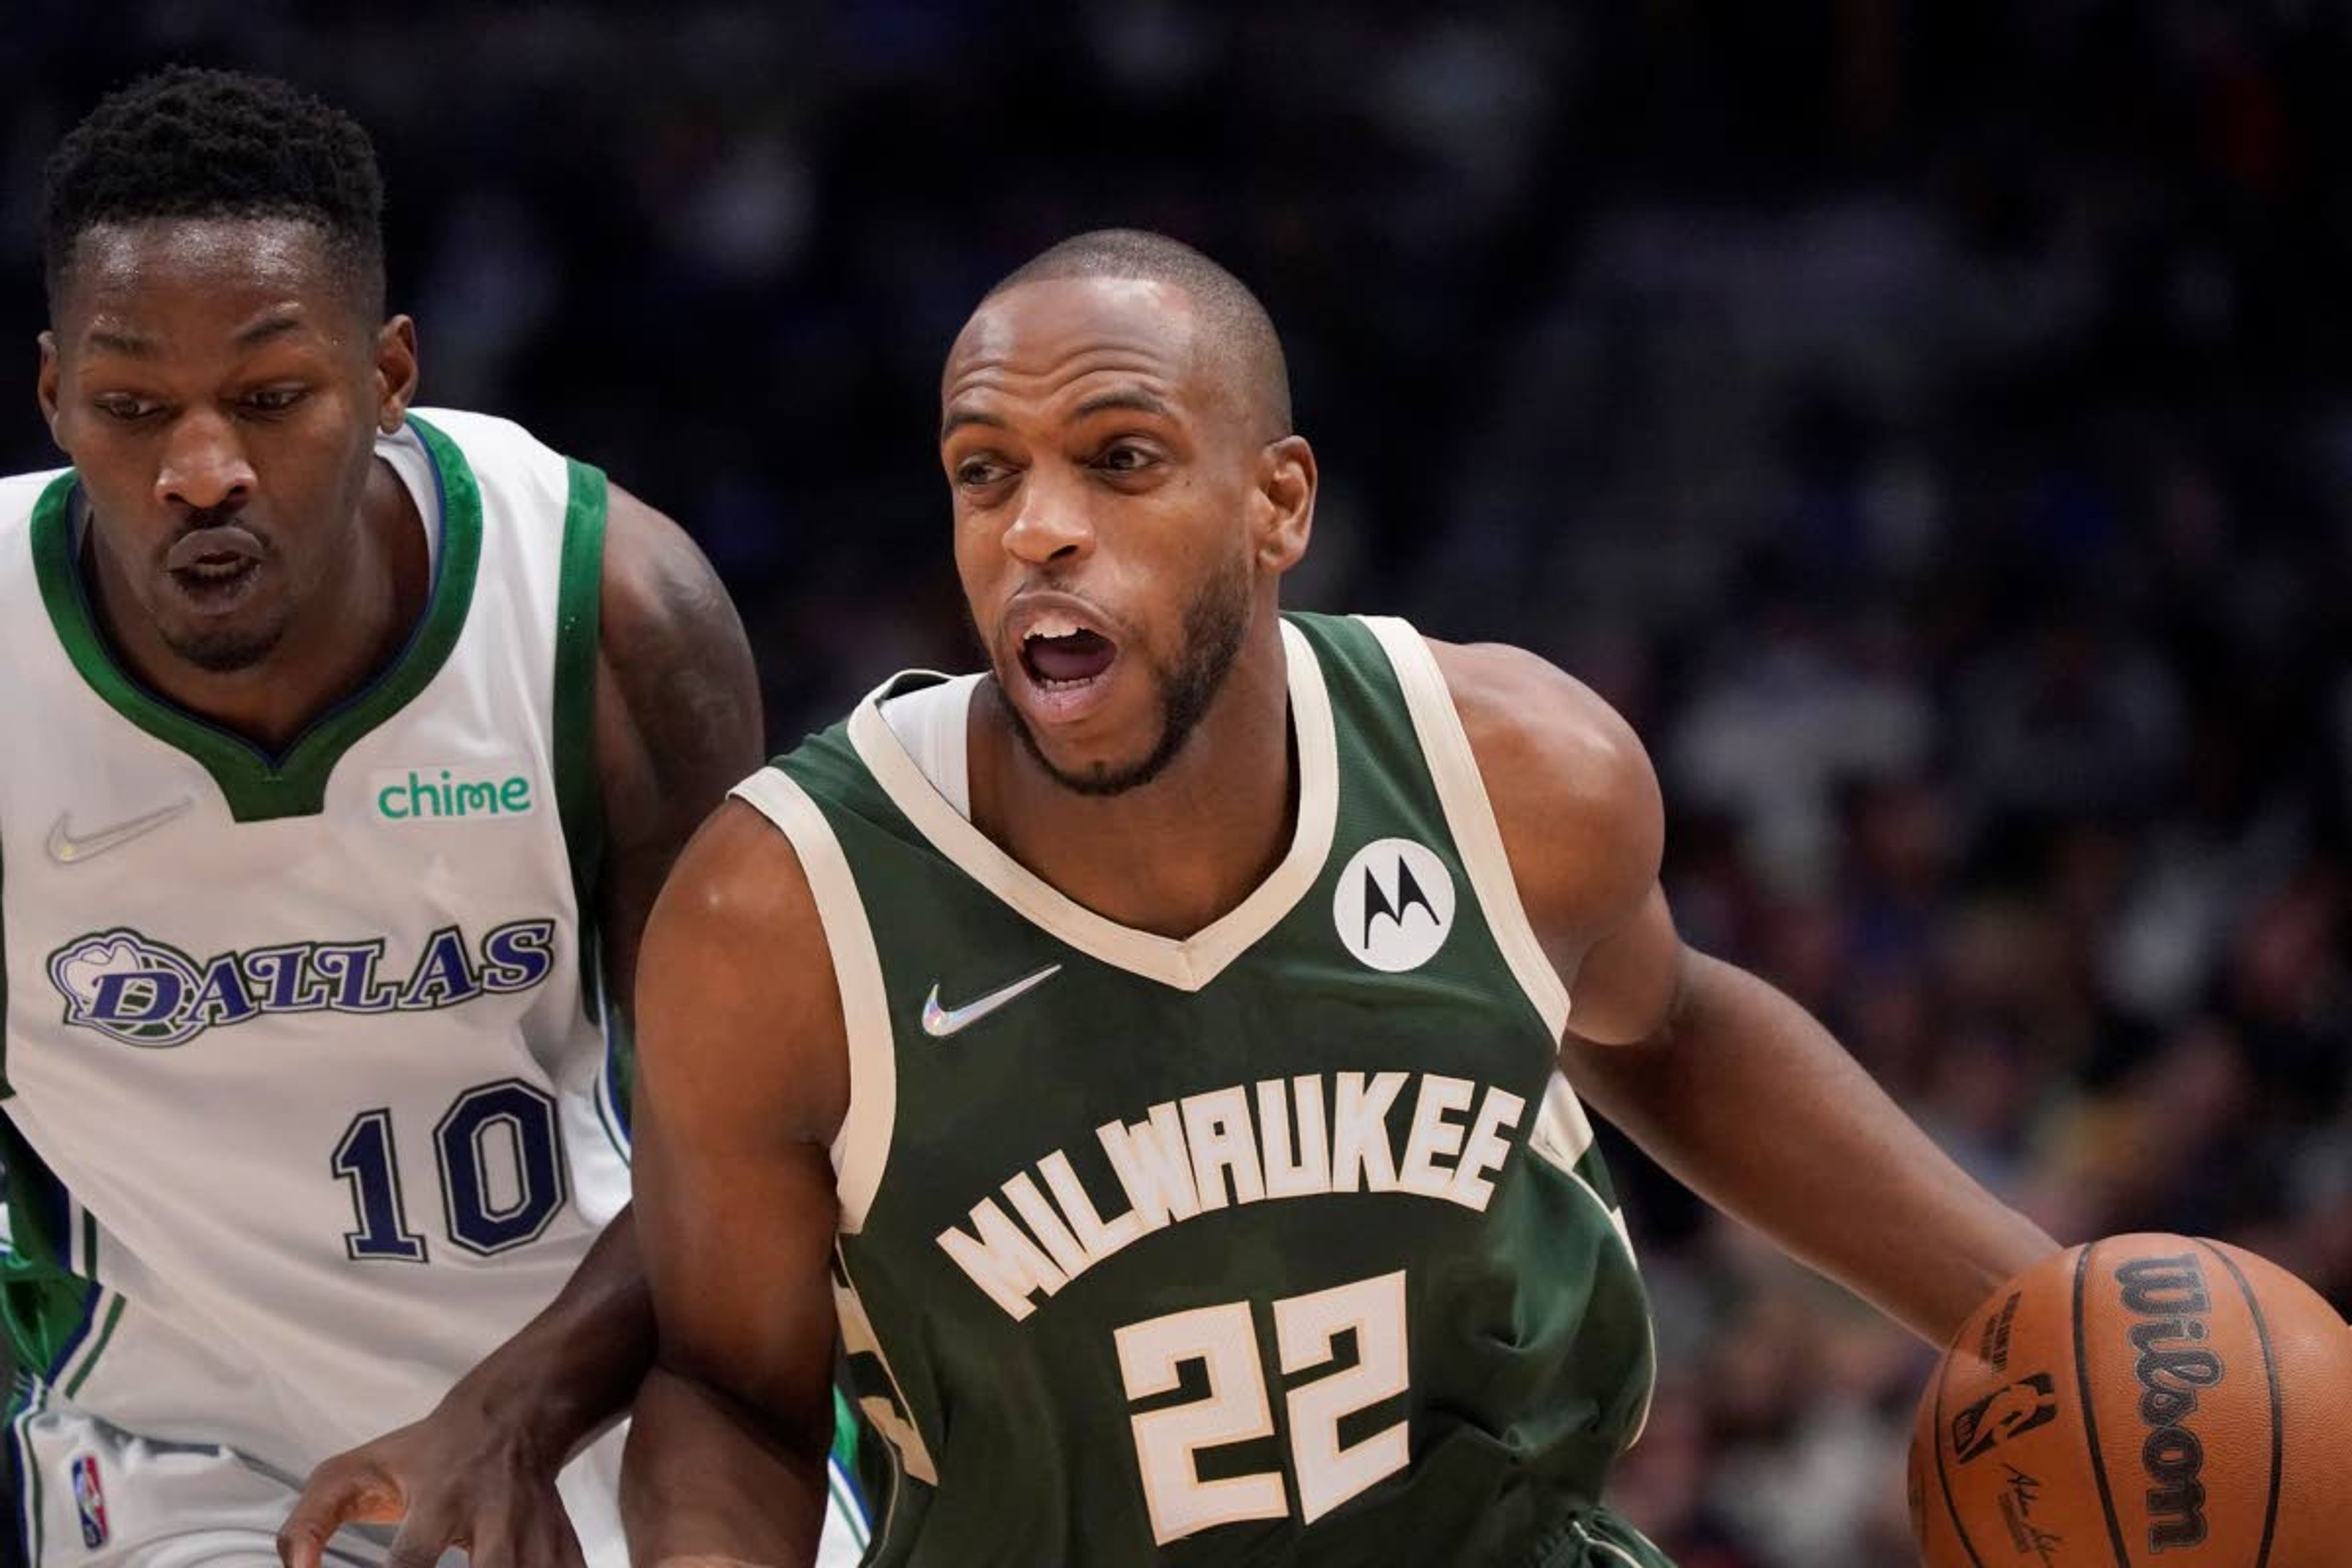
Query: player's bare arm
x=742, y=1082
x=678, y=717
x=678, y=721
x=1725, y=1082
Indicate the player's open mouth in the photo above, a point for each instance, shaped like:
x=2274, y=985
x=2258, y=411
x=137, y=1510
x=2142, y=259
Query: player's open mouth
x=215, y=567
x=1067, y=661
x=1058, y=653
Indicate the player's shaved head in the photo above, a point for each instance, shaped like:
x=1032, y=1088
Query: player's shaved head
x=1235, y=325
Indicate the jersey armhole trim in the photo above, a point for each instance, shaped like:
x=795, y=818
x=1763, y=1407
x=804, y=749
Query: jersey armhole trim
x=578, y=629
x=1470, y=815
x=862, y=1148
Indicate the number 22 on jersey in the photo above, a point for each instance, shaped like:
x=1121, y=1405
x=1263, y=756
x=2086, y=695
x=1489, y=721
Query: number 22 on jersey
x=1237, y=1406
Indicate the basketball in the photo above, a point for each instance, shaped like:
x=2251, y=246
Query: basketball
x=2140, y=1400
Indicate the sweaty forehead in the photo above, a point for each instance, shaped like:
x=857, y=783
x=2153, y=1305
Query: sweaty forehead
x=1039, y=341
x=176, y=275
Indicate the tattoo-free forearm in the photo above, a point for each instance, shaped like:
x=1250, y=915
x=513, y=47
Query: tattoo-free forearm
x=1751, y=1103
x=705, y=1480
x=574, y=1368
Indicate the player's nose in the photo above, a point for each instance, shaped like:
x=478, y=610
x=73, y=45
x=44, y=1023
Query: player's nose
x=1052, y=522
x=205, y=464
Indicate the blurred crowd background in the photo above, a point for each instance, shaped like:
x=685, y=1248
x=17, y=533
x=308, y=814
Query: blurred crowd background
x=1929, y=423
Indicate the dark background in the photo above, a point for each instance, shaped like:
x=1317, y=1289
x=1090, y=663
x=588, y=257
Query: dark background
x=1929, y=423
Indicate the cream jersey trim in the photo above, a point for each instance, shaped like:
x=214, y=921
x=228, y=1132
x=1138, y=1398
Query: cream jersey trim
x=1187, y=964
x=862, y=1148
x=1470, y=816
x=931, y=723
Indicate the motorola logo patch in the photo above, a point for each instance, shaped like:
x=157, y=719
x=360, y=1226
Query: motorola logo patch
x=1394, y=904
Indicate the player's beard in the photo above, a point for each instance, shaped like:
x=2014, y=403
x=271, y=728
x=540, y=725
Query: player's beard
x=1214, y=624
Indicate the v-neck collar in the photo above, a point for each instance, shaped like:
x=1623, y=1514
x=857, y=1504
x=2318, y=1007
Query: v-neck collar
x=1188, y=963
x=259, y=786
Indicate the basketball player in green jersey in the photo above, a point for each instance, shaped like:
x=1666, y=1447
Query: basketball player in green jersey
x=1161, y=1058
x=353, y=742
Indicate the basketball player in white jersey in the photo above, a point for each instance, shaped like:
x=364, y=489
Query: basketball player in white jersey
x=350, y=744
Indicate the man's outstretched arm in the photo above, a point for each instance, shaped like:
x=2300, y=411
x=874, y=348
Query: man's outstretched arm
x=1721, y=1078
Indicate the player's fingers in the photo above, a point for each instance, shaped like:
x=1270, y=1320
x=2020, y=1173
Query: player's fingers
x=340, y=1491
x=542, y=1537
x=531, y=1530
x=423, y=1536
x=490, y=1546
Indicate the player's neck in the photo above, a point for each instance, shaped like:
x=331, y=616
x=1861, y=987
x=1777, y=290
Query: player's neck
x=1170, y=857
x=347, y=633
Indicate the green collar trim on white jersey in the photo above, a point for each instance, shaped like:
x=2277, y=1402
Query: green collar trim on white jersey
x=260, y=787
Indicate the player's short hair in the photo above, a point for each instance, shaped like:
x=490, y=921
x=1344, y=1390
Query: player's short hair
x=187, y=142
x=1233, y=314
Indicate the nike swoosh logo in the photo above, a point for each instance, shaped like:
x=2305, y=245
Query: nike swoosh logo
x=67, y=850
x=941, y=1021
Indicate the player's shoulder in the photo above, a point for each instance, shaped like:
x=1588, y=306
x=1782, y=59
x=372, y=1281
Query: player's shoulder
x=737, y=949
x=1527, y=718
x=740, y=878
x=20, y=496
x=653, y=572
x=674, y=659
x=480, y=435
x=1571, y=786
x=659, y=590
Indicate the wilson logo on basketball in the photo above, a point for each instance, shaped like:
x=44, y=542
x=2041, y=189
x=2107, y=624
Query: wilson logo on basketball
x=2174, y=1365
x=2003, y=1414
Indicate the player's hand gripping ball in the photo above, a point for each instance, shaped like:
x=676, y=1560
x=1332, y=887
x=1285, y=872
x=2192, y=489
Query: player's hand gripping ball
x=2140, y=1402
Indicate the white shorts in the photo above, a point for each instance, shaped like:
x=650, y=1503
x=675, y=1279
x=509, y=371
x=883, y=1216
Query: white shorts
x=96, y=1496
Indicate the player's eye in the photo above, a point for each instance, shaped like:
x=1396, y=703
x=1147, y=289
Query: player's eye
x=275, y=399
x=1126, y=458
x=979, y=473
x=123, y=406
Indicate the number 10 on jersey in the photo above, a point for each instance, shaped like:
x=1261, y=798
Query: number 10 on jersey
x=499, y=1155
x=1237, y=1408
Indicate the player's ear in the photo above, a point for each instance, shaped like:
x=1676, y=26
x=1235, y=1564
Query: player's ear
x=395, y=371
x=1287, y=502
x=45, y=385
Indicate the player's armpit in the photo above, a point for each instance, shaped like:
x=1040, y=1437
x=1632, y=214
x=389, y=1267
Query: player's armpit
x=743, y=1081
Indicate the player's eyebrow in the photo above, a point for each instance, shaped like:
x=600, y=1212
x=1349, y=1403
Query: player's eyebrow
x=276, y=324
x=959, y=417
x=1138, y=399
x=108, y=341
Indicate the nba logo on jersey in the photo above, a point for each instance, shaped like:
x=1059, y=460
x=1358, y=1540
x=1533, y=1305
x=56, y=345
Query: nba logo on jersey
x=89, y=1500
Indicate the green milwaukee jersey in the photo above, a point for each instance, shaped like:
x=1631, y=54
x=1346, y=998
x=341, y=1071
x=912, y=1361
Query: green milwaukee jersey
x=1283, y=1243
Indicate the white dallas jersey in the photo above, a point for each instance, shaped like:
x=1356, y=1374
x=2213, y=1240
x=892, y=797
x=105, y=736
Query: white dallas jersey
x=306, y=1105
